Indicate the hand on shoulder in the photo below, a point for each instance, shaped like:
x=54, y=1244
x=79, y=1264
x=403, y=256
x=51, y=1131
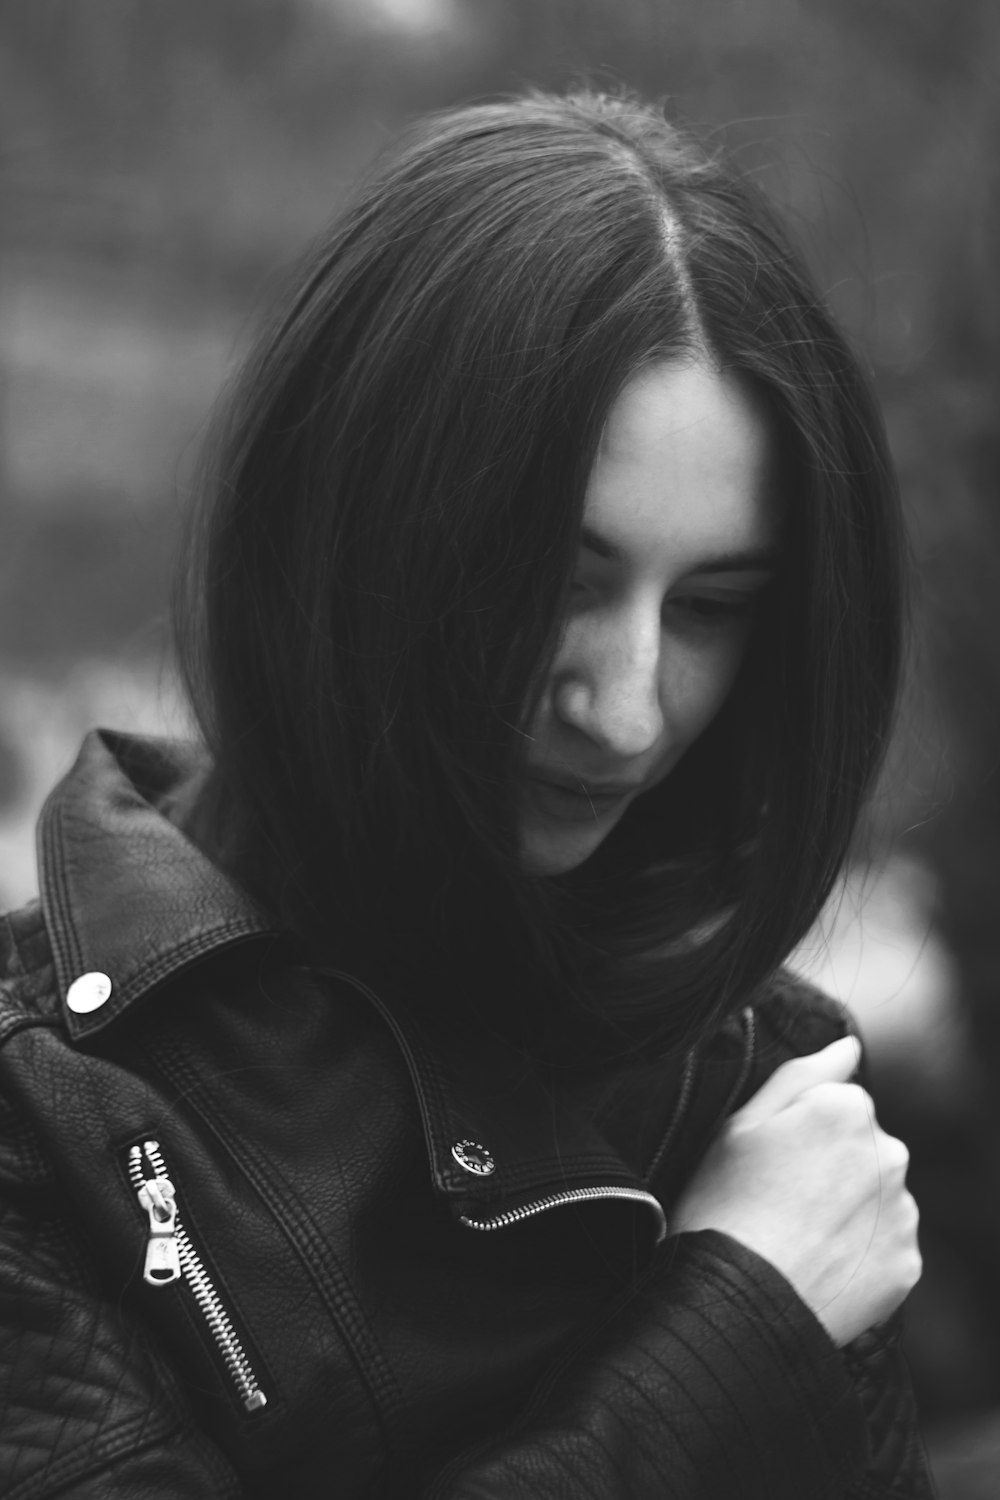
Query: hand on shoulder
x=804, y=1176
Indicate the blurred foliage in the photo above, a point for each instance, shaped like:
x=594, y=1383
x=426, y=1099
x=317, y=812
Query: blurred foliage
x=160, y=164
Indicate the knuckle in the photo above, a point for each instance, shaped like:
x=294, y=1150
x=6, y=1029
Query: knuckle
x=826, y=1099
x=915, y=1268
x=861, y=1100
x=840, y=1103
x=900, y=1154
x=893, y=1154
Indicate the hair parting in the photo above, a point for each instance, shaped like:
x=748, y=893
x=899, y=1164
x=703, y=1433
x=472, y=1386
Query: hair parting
x=379, y=569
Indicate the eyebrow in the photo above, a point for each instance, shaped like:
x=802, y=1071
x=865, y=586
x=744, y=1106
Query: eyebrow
x=750, y=560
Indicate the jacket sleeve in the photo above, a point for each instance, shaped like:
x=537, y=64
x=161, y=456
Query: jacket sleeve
x=898, y=1462
x=88, y=1411
x=714, y=1381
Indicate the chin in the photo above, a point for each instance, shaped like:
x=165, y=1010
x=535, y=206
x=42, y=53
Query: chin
x=546, y=851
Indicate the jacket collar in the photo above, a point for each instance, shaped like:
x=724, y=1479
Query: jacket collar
x=127, y=895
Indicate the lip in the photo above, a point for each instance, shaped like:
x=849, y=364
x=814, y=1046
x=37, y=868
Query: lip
x=578, y=801
x=584, y=788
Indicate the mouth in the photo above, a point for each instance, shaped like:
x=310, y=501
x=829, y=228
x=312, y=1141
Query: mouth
x=576, y=801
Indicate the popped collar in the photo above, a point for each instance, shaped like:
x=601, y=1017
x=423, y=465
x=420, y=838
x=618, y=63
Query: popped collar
x=127, y=895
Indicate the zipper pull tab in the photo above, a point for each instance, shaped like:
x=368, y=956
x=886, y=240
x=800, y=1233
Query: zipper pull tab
x=163, y=1263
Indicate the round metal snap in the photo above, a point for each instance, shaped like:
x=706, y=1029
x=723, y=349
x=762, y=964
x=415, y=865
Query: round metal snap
x=474, y=1158
x=89, y=992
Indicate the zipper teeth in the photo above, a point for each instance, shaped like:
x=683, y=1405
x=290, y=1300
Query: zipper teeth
x=224, y=1334
x=677, y=1117
x=570, y=1195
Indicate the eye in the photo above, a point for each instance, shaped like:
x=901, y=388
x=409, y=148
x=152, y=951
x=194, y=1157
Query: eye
x=702, y=606
x=715, y=608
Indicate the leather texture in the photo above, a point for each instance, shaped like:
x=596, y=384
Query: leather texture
x=307, y=1127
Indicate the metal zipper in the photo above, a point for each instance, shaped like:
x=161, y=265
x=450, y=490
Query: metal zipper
x=170, y=1256
x=570, y=1195
x=677, y=1115
x=748, y=1021
x=529, y=1210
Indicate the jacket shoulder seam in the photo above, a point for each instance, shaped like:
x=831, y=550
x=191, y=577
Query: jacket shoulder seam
x=27, y=985
x=128, y=1437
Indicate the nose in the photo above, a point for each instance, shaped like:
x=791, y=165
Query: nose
x=607, y=685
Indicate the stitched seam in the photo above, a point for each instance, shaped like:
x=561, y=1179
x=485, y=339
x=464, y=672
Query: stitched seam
x=424, y=1072
x=428, y=1085
x=207, y=942
x=66, y=951
x=9, y=1025
x=724, y=1283
x=99, y=1455
x=60, y=925
x=311, y=1248
x=723, y=1279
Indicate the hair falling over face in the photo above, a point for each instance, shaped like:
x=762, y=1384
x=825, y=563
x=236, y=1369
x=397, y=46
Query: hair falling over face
x=395, y=612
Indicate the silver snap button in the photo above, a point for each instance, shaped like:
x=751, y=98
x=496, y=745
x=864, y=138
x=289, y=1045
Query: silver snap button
x=474, y=1158
x=88, y=993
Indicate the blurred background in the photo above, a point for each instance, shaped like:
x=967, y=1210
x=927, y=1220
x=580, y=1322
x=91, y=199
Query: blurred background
x=160, y=168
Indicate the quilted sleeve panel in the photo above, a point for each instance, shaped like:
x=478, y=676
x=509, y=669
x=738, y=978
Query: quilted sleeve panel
x=898, y=1467
x=88, y=1409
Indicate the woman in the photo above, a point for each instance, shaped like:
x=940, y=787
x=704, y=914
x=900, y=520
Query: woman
x=404, y=1095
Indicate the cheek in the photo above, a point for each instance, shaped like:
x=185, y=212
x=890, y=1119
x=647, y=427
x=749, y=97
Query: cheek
x=699, y=683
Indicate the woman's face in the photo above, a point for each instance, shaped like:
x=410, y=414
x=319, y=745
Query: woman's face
x=679, y=539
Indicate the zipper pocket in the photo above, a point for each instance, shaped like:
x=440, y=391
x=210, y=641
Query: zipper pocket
x=570, y=1195
x=170, y=1257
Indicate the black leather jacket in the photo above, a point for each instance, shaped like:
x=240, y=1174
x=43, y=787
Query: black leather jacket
x=259, y=1239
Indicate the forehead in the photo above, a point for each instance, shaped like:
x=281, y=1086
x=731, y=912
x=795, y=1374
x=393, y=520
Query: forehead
x=685, y=462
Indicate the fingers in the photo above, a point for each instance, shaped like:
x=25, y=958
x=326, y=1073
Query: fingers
x=833, y=1064
x=894, y=1154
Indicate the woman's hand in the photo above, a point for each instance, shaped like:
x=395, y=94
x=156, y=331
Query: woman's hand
x=804, y=1176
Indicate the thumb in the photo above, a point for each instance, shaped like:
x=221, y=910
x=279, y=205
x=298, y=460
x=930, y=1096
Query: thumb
x=833, y=1064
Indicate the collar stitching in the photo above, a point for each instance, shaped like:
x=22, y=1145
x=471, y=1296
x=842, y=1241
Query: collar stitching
x=165, y=967
x=66, y=955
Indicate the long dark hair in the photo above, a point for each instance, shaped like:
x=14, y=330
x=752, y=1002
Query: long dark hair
x=379, y=572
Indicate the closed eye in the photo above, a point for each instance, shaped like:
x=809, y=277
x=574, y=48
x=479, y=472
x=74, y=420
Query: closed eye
x=712, y=607
x=701, y=602
x=707, y=608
